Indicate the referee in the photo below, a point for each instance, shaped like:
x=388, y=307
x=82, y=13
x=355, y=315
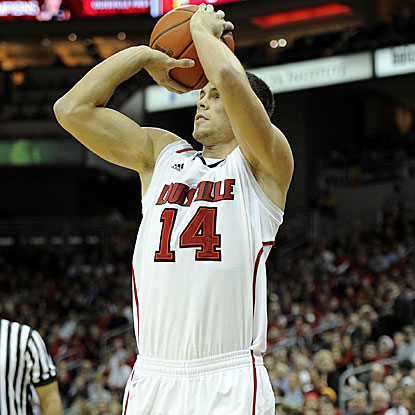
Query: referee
x=25, y=365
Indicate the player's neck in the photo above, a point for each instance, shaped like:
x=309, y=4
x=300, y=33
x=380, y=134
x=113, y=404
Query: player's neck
x=219, y=150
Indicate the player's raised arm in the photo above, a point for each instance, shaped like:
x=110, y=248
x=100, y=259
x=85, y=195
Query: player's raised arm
x=264, y=146
x=106, y=132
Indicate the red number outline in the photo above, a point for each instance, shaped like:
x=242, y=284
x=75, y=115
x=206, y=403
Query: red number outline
x=210, y=237
x=165, y=238
x=196, y=228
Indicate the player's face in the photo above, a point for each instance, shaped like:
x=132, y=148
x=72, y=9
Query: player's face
x=212, y=124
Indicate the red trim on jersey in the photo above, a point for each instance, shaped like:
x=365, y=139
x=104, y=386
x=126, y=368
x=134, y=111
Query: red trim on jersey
x=258, y=257
x=255, y=383
x=183, y=150
x=126, y=403
x=136, y=303
x=128, y=394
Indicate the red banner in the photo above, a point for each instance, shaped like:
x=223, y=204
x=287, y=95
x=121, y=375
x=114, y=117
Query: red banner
x=46, y=10
x=111, y=7
x=160, y=7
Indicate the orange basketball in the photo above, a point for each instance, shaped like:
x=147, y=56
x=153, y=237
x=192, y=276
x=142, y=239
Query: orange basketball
x=171, y=35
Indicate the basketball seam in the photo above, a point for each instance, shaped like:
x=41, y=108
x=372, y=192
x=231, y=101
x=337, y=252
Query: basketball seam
x=170, y=28
x=203, y=74
x=184, y=50
x=174, y=79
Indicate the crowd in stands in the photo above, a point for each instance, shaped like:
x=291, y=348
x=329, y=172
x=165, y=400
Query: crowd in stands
x=334, y=304
x=72, y=295
x=346, y=303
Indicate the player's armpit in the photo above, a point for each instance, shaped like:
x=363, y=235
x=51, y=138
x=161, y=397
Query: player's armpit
x=50, y=401
x=159, y=139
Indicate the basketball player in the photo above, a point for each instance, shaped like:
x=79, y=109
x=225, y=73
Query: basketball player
x=209, y=221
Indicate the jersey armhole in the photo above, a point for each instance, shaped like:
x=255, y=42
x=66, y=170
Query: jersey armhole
x=263, y=199
x=175, y=146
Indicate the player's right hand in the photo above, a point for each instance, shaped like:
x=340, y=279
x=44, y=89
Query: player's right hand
x=159, y=66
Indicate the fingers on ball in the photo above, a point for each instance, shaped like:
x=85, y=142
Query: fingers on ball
x=220, y=14
x=229, y=26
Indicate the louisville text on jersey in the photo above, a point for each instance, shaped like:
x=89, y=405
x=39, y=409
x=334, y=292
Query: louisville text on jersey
x=183, y=195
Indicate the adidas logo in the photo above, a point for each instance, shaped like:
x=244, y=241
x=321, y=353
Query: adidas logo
x=178, y=166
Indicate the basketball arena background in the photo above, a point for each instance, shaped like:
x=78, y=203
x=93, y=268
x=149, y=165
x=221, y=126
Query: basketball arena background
x=342, y=276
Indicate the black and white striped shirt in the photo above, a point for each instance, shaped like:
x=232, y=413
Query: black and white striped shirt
x=24, y=363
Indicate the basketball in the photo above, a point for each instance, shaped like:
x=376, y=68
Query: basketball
x=171, y=35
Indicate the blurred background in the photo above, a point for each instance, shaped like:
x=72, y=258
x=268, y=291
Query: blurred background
x=342, y=279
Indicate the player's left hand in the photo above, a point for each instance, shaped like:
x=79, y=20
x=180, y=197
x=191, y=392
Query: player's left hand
x=213, y=22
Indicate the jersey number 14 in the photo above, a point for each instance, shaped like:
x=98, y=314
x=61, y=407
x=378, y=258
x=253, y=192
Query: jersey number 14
x=199, y=233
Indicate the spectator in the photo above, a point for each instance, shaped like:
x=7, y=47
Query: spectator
x=390, y=383
x=77, y=390
x=405, y=367
x=328, y=393
x=97, y=392
x=311, y=401
x=398, y=339
x=410, y=402
x=369, y=352
x=68, y=328
x=301, y=365
x=114, y=406
x=64, y=380
x=407, y=383
x=327, y=407
x=324, y=362
x=397, y=401
x=79, y=406
x=407, y=349
x=399, y=310
x=281, y=374
x=380, y=401
x=377, y=375
x=294, y=398
x=358, y=404
x=385, y=347
x=119, y=374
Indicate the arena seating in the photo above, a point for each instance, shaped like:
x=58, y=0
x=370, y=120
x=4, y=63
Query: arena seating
x=334, y=304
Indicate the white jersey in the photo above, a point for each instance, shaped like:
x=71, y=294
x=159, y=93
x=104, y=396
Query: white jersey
x=199, y=277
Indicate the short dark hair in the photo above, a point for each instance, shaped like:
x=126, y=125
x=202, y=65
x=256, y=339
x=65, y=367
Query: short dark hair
x=263, y=92
x=405, y=364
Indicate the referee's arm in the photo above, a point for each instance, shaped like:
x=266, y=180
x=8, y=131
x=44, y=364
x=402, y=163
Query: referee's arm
x=49, y=398
x=43, y=375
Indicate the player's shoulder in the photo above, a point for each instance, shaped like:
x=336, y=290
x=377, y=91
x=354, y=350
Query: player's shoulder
x=174, y=150
x=164, y=141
